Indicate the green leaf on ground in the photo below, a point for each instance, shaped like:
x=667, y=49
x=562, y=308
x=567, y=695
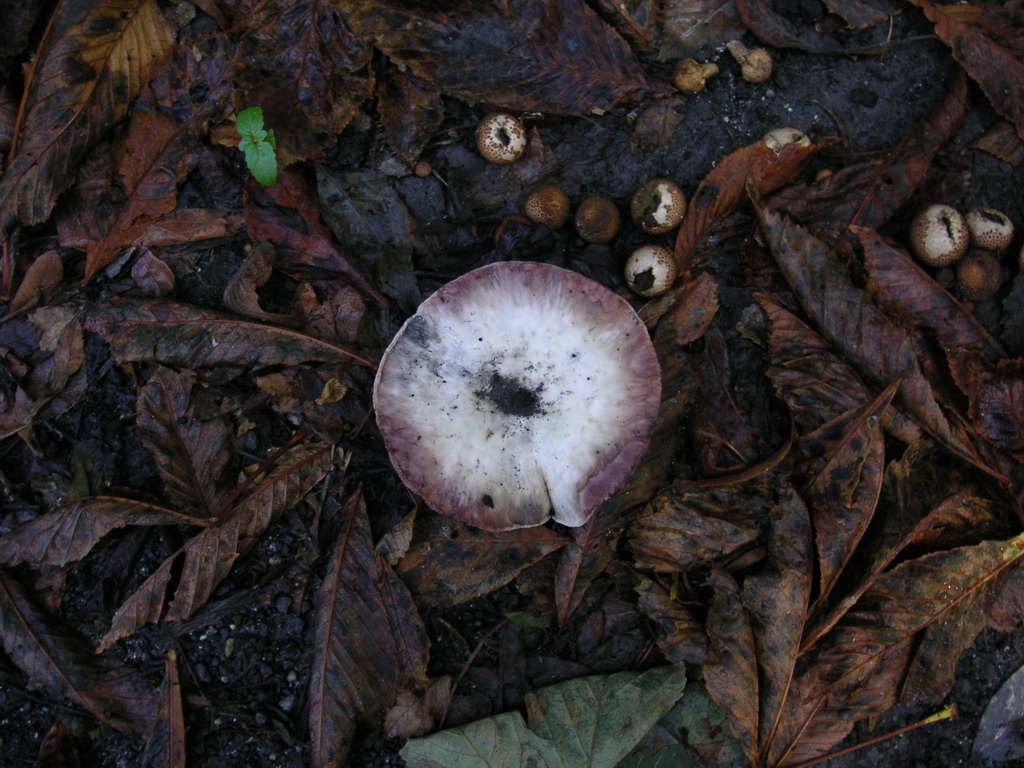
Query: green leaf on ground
x=592, y=721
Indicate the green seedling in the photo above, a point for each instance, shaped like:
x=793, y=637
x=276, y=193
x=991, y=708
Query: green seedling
x=258, y=144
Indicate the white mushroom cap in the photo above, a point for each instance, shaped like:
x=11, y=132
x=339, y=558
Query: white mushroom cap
x=939, y=235
x=501, y=138
x=990, y=229
x=650, y=270
x=517, y=393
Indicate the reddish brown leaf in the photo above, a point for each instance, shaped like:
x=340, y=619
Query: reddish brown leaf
x=859, y=14
x=780, y=30
x=880, y=351
x=637, y=21
x=996, y=392
x=165, y=742
x=191, y=444
x=183, y=225
x=843, y=491
x=588, y=553
x=300, y=62
x=57, y=749
x=369, y=643
x=697, y=28
x=776, y=599
x=924, y=506
x=208, y=557
x=870, y=192
x=64, y=663
x=687, y=527
x=179, y=334
x=156, y=152
x=730, y=671
x=287, y=215
x=909, y=293
x=933, y=665
x=815, y=384
x=681, y=635
x=45, y=272
x=88, y=72
x=986, y=40
x=721, y=431
x=450, y=563
x=553, y=56
x=410, y=110
x=241, y=295
x=725, y=189
x=1002, y=141
x=70, y=532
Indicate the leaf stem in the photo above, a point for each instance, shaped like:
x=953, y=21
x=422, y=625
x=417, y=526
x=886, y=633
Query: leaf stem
x=948, y=713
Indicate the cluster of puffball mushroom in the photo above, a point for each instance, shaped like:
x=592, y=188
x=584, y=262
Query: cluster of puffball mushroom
x=657, y=208
x=971, y=244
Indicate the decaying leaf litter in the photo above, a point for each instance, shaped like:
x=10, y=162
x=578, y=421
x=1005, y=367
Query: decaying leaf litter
x=827, y=517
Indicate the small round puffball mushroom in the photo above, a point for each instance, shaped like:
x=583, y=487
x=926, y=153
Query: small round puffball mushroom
x=991, y=230
x=597, y=219
x=501, y=138
x=658, y=206
x=755, y=64
x=517, y=393
x=938, y=235
x=979, y=275
x=778, y=139
x=549, y=205
x=650, y=270
x=690, y=75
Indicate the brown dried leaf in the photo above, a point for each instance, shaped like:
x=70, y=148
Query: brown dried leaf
x=450, y=563
x=996, y=392
x=730, y=671
x=1001, y=141
x=880, y=351
x=241, y=295
x=687, y=527
x=46, y=271
x=410, y=111
x=88, y=72
x=725, y=189
x=299, y=60
x=870, y=192
x=910, y=294
x=57, y=749
x=553, y=56
x=681, y=636
x=588, y=553
x=70, y=532
x=915, y=595
x=369, y=643
x=774, y=28
x=191, y=444
x=287, y=215
x=64, y=663
x=165, y=742
x=180, y=334
x=156, y=151
x=924, y=505
x=636, y=20
x=986, y=40
x=208, y=557
x=776, y=599
x=815, y=383
x=843, y=491
x=698, y=29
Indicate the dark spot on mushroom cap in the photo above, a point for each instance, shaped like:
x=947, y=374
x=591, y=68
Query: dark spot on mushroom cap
x=487, y=501
x=644, y=281
x=509, y=396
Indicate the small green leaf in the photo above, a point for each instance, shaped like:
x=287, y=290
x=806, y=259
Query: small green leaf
x=249, y=121
x=262, y=163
